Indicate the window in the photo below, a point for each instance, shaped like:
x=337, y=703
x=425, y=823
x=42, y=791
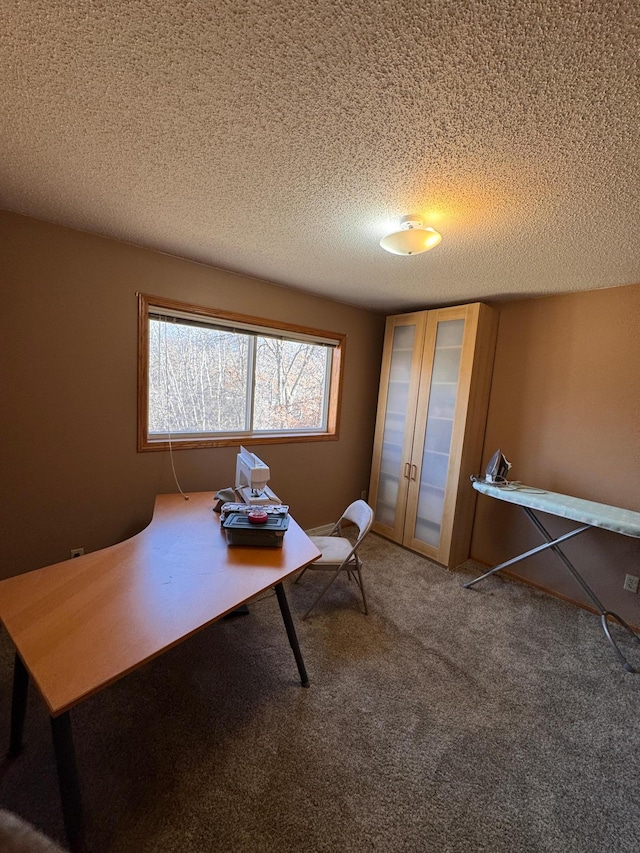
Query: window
x=209, y=378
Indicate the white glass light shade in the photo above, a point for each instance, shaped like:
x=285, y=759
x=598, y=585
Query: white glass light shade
x=412, y=238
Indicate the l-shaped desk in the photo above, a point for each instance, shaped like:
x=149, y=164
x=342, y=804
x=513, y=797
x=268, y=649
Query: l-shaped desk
x=588, y=514
x=80, y=625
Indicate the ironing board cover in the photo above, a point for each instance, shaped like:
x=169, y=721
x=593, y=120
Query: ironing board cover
x=614, y=518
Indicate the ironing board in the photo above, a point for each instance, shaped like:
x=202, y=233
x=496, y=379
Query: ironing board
x=588, y=514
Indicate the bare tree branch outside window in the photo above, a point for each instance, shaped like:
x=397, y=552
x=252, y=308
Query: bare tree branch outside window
x=198, y=379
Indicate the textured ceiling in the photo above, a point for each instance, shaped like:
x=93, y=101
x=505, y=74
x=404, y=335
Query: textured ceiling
x=282, y=139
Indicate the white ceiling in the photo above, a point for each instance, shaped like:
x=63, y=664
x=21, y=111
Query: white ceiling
x=283, y=139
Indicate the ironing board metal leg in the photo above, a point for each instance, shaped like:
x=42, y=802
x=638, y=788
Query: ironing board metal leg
x=605, y=627
x=553, y=543
x=604, y=614
x=526, y=554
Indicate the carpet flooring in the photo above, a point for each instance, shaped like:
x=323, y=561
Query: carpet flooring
x=448, y=720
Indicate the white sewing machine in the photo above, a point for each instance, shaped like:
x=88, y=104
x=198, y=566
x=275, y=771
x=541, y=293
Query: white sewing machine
x=252, y=476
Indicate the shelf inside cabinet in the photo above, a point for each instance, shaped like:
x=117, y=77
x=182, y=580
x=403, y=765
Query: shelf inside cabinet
x=427, y=531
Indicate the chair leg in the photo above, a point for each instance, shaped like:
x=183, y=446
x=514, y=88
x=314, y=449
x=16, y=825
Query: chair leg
x=335, y=575
x=299, y=578
x=364, y=597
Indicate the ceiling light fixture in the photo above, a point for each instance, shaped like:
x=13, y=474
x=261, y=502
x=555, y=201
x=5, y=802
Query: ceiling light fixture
x=412, y=238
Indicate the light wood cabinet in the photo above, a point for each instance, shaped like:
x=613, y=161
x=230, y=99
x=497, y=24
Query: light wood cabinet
x=432, y=409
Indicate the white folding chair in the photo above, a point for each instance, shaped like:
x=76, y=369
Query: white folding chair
x=340, y=554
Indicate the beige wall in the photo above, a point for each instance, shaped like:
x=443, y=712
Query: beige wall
x=71, y=476
x=565, y=410
x=565, y=406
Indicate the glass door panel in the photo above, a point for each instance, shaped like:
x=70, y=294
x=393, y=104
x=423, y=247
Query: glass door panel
x=394, y=424
x=439, y=428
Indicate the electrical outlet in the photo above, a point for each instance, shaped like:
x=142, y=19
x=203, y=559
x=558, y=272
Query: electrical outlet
x=76, y=552
x=363, y=495
x=630, y=583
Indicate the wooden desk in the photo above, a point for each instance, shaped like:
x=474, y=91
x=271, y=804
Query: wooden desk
x=80, y=625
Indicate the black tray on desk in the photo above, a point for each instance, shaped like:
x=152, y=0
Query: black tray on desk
x=241, y=531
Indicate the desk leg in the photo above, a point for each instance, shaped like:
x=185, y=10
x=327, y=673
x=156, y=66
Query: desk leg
x=68, y=781
x=291, y=633
x=18, y=706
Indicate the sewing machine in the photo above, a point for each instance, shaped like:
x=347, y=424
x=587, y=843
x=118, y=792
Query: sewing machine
x=252, y=476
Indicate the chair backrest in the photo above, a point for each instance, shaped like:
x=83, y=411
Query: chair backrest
x=360, y=514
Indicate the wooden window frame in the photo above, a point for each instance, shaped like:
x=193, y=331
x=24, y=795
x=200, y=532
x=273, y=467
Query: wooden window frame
x=145, y=443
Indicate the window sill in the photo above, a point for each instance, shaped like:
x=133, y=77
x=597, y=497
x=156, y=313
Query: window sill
x=192, y=443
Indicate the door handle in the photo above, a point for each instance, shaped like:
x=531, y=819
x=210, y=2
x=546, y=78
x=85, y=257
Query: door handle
x=414, y=472
x=407, y=470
